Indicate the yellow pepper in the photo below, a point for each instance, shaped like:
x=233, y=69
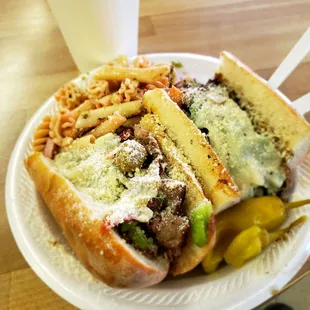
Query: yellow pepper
x=267, y=212
x=215, y=257
x=250, y=243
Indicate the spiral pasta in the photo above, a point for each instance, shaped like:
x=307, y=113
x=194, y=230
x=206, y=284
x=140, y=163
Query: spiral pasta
x=128, y=91
x=118, y=86
x=67, y=122
x=41, y=135
x=56, y=132
x=160, y=83
x=55, y=129
x=103, y=102
x=70, y=96
x=176, y=95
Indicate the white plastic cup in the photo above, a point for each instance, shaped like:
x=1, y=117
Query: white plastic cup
x=97, y=31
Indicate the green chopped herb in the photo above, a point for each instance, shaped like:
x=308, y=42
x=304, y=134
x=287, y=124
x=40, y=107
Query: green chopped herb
x=177, y=64
x=195, y=84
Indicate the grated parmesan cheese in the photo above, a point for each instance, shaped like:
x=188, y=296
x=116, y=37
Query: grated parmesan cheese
x=109, y=193
x=251, y=158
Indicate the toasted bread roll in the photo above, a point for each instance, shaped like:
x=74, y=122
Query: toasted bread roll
x=191, y=255
x=216, y=183
x=267, y=107
x=102, y=251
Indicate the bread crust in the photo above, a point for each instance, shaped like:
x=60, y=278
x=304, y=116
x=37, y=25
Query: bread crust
x=102, y=251
x=274, y=109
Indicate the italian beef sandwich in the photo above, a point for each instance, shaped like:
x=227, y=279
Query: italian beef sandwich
x=131, y=209
x=242, y=138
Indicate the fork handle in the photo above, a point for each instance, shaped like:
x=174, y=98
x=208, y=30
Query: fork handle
x=291, y=61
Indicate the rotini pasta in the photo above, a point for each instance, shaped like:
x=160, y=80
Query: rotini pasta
x=160, y=83
x=56, y=132
x=176, y=95
x=127, y=92
x=67, y=126
x=41, y=135
x=70, y=96
x=103, y=104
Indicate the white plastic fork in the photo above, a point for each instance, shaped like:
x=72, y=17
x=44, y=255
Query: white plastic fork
x=288, y=65
x=291, y=61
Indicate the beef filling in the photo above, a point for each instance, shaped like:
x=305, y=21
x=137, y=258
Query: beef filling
x=170, y=232
x=170, y=227
x=126, y=134
x=173, y=193
x=166, y=232
x=147, y=140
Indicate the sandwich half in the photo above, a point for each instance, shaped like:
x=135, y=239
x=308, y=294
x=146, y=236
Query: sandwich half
x=250, y=132
x=125, y=202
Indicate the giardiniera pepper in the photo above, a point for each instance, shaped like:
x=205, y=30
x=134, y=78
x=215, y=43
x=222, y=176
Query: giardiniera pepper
x=267, y=212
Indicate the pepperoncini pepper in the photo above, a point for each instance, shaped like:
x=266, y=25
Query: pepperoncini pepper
x=267, y=213
x=250, y=243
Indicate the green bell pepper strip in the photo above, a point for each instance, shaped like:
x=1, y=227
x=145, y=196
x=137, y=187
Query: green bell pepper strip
x=199, y=220
x=137, y=235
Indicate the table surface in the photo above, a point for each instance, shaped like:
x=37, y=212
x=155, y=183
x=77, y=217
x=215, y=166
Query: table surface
x=35, y=61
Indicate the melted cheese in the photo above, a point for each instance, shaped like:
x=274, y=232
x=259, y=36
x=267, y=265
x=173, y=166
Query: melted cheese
x=250, y=158
x=103, y=187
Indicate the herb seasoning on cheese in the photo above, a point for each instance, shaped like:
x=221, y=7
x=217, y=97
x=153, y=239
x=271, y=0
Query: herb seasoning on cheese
x=251, y=158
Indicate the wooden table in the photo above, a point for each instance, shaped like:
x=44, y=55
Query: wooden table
x=35, y=61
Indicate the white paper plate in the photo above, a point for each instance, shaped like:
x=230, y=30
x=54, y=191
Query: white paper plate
x=46, y=251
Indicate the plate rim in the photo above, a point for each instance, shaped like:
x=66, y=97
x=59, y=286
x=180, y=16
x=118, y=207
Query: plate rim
x=30, y=256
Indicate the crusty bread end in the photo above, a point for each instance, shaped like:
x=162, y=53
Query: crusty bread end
x=104, y=253
x=272, y=109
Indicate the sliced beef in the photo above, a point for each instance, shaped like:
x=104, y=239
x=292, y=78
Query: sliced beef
x=156, y=203
x=151, y=252
x=171, y=195
x=169, y=227
x=289, y=183
x=147, y=140
x=126, y=134
x=170, y=232
x=173, y=192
